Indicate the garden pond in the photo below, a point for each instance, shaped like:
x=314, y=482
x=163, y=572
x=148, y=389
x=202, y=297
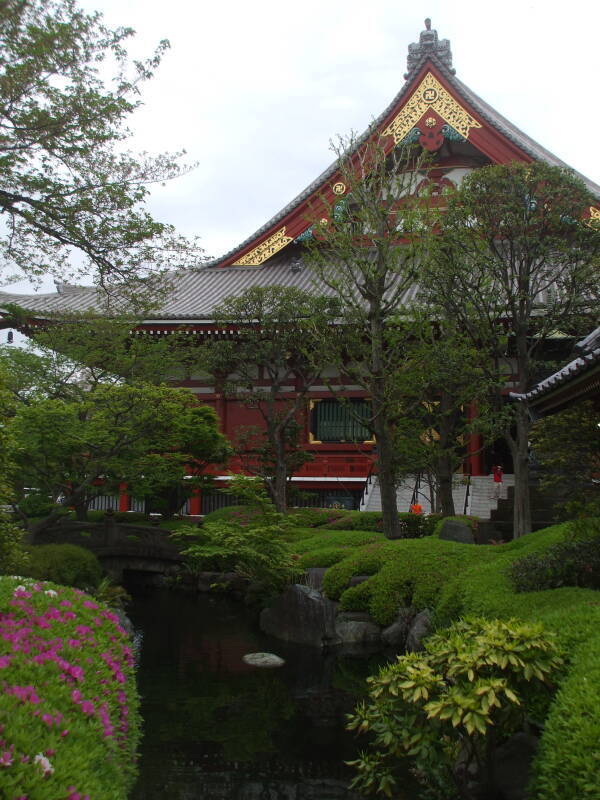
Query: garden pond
x=216, y=728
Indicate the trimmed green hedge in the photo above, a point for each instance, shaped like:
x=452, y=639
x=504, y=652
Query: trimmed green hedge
x=303, y=517
x=325, y=557
x=454, y=580
x=413, y=525
x=328, y=539
x=68, y=702
x=409, y=572
x=67, y=564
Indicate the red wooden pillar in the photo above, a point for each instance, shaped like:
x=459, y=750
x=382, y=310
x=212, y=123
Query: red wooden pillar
x=124, y=498
x=196, y=503
x=475, y=447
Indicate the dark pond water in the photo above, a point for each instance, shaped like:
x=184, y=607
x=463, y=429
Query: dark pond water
x=215, y=728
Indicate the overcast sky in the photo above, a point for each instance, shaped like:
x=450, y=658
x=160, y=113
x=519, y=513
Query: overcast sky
x=254, y=91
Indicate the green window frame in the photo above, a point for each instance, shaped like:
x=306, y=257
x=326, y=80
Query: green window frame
x=335, y=421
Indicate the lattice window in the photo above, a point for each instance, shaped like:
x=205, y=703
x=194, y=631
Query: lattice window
x=335, y=421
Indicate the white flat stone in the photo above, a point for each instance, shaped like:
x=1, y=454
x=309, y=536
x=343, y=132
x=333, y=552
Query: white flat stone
x=265, y=660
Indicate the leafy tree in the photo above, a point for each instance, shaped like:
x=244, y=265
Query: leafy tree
x=437, y=381
x=256, y=549
x=75, y=353
x=567, y=446
x=144, y=435
x=516, y=259
x=278, y=343
x=448, y=707
x=366, y=250
x=11, y=552
x=67, y=184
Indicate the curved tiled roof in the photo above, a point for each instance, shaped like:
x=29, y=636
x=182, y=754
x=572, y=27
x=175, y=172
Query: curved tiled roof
x=489, y=114
x=194, y=294
x=590, y=347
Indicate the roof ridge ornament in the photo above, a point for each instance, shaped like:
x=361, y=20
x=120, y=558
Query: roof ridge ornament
x=428, y=45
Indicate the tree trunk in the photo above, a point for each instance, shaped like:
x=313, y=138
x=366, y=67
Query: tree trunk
x=445, y=479
x=387, y=480
x=280, y=479
x=520, y=454
x=383, y=434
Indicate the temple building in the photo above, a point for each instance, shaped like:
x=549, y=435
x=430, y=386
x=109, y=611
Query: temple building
x=433, y=108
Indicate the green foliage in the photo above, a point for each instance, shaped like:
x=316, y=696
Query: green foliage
x=324, y=557
x=256, y=550
x=143, y=434
x=568, y=763
x=404, y=573
x=111, y=594
x=35, y=504
x=66, y=564
x=326, y=538
x=316, y=517
x=445, y=708
x=506, y=236
x=280, y=335
x=569, y=563
x=68, y=706
x=366, y=561
x=567, y=446
x=12, y=556
x=456, y=580
x=68, y=179
x=411, y=526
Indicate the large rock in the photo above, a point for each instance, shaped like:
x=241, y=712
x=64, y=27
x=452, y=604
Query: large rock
x=419, y=629
x=314, y=577
x=455, y=531
x=301, y=614
x=356, y=629
x=396, y=634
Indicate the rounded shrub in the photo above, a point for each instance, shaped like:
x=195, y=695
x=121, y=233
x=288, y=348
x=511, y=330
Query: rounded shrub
x=69, y=723
x=36, y=504
x=326, y=557
x=66, y=564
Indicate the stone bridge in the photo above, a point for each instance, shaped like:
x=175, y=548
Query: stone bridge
x=119, y=547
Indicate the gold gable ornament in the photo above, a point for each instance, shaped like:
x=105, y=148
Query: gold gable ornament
x=264, y=250
x=430, y=94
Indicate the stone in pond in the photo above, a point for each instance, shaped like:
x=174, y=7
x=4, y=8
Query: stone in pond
x=267, y=660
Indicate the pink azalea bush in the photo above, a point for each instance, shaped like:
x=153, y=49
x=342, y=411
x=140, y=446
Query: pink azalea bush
x=69, y=724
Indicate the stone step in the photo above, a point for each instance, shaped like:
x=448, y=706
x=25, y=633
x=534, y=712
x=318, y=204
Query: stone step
x=481, y=503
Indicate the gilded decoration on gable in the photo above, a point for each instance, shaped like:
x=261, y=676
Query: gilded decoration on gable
x=430, y=94
x=594, y=217
x=339, y=188
x=264, y=250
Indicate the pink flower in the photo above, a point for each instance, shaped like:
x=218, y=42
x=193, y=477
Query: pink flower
x=4, y=662
x=6, y=758
x=87, y=707
x=44, y=763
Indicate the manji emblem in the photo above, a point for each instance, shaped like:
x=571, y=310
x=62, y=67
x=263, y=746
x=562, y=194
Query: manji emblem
x=339, y=188
x=264, y=250
x=430, y=94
